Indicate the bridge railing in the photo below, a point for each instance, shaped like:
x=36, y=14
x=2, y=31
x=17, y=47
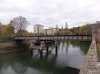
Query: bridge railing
x=64, y=37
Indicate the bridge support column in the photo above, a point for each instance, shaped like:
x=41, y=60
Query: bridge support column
x=31, y=50
x=41, y=53
x=47, y=50
x=56, y=49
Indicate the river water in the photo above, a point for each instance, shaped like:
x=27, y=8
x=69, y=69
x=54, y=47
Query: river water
x=68, y=60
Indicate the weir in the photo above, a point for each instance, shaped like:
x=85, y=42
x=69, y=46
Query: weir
x=91, y=64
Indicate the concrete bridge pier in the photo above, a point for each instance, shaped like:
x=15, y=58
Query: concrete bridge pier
x=44, y=46
x=41, y=53
x=41, y=49
x=31, y=45
x=56, y=48
x=31, y=51
x=47, y=50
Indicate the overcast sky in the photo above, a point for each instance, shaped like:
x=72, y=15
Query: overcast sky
x=51, y=12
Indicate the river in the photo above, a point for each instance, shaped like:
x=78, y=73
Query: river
x=68, y=60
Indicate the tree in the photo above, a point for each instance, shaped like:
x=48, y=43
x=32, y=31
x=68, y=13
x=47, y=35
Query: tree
x=0, y=23
x=86, y=29
x=22, y=32
x=10, y=30
x=5, y=33
x=82, y=30
x=19, y=23
x=0, y=31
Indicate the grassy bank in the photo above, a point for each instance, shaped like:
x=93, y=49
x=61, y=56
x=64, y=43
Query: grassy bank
x=6, y=44
x=7, y=47
x=12, y=47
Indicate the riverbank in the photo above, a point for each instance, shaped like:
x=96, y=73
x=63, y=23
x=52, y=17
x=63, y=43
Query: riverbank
x=8, y=47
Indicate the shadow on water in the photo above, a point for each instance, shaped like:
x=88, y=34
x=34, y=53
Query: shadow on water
x=65, y=62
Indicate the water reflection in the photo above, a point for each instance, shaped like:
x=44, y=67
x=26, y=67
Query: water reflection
x=68, y=60
x=83, y=45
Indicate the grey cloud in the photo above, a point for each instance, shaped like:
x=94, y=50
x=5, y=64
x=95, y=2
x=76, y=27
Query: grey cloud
x=51, y=12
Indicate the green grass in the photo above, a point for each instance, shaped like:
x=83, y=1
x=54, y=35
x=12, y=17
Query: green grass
x=6, y=44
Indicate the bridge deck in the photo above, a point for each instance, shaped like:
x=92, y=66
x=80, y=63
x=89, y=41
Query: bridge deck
x=67, y=37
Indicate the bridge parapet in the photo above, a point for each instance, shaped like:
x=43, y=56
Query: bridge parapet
x=90, y=65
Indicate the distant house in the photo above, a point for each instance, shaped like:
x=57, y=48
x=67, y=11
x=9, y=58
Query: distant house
x=38, y=28
x=50, y=31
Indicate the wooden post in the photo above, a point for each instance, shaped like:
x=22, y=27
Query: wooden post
x=41, y=54
x=41, y=50
x=56, y=48
x=31, y=52
x=47, y=50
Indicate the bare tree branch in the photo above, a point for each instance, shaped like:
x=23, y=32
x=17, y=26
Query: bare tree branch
x=19, y=23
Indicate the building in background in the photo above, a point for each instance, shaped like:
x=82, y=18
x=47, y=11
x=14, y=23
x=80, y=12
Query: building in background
x=50, y=31
x=54, y=30
x=38, y=28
